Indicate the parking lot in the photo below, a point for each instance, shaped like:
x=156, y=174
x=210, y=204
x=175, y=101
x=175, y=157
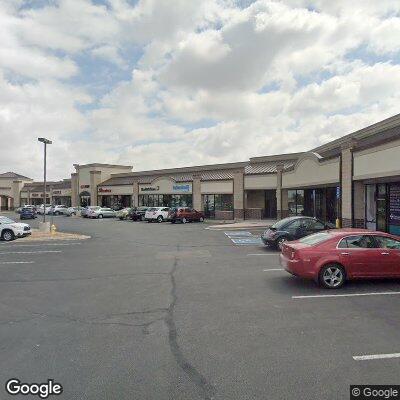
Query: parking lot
x=177, y=311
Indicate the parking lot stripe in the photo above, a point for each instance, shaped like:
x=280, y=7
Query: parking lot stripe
x=316, y=296
x=44, y=244
x=17, y=262
x=263, y=254
x=376, y=356
x=273, y=269
x=30, y=252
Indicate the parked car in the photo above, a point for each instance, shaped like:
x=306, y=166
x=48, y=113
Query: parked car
x=40, y=209
x=85, y=210
x=73, y=211
x=59, y=210
x=101, y=212
x=292, y=228
x=123, y=214
x=158, y=214
x=332, y=257
x=10, y=230
x=117, y=207
x=185, y=214
x=19, y=209
x=137, y=213
x=27, y=213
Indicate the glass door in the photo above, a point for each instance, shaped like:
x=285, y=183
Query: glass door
x=209, y=205
x=370, y=207
x=381, y=208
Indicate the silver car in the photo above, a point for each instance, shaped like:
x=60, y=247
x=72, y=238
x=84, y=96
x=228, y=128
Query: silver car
x=101, y=212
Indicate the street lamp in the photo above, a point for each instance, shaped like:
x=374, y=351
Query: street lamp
x=45, y=142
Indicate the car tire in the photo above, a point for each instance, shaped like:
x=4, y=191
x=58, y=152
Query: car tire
x=184, y=220
x=7, y=235
x=121, y=218
x=201, y=219
x=172, y=221
x=56, y=213
x=100, y=216
x=142, y=218
x=332, y=276
x=160, y=218
x=280, y=242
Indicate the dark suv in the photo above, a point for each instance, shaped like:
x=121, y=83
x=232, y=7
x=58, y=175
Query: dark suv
x=292, y=228
x=137, y=213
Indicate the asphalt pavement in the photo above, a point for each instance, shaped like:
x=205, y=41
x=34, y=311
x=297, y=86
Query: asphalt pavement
x=174, y=311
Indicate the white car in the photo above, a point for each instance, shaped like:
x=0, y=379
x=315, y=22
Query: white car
x=10, y=230
x=158, y=214
x=73, y=211
x=101, y=212
x=58, y=210
x=40, y=209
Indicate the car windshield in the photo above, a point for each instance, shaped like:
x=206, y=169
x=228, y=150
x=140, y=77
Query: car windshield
x=152, y=209
x=316, y=238
x=5, y=220
x=283, y=222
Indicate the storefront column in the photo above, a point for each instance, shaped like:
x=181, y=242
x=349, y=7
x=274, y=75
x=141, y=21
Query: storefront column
x=281, y=195
x=238, y=194
x=135, y=195
x=16, y=193
x=95, y=178
x=346, y=183
x=196, y=192
x=359, y=204
x=74, y=190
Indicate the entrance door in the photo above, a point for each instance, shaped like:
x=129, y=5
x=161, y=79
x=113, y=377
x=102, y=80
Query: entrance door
x=381, y=208
x=370, y=207
x=209, y=206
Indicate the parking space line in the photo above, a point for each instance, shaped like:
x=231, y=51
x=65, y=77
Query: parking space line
x=263, y=254
x=17, y=262
x=316, y=296
x=273, y=269
x=44, y=244
x=376, y=357
x=30, y=252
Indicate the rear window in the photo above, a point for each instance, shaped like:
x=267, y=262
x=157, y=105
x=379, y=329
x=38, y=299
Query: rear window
x=316, y=238
x=280, y=224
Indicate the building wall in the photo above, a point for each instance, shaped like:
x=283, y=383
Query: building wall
x=267, y=181
x=115, y=190
x=165, y=186
x=311, y=172
x=217, y=187
x=380, y=161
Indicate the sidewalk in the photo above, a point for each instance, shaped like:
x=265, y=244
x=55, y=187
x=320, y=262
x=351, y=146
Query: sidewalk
x=244, y=224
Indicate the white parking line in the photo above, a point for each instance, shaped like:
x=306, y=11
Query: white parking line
x=17, y=262
x=376, y=356
x=345, y=295
x=48, y=244
x=273, y=269
x=263, y=254
x=30, y=252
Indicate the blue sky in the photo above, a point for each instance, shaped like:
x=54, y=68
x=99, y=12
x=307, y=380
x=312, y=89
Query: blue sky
x=147, y=84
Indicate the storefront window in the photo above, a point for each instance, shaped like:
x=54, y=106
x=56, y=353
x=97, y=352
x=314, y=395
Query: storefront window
x=217, y=202
x=296, y=202
x=165, y=200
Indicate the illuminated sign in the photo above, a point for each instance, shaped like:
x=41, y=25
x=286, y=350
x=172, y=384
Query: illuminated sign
x=181, y=188
x=103, y=190
x=85, y=186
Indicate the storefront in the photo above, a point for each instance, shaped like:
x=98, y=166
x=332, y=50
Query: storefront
x=165, y=192
x=115, y=196
x=62, y=197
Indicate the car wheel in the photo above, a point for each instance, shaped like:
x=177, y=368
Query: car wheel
x=7, y=235
x=332, y=276
x=100, y=216
x=201, y=219
x=172, y=221
x=184, y=220
x=56, y=213
x=121, y=218
x=160, y=218
x=280, y=242
x=142, y=217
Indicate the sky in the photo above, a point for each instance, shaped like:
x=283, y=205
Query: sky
x=170, y=83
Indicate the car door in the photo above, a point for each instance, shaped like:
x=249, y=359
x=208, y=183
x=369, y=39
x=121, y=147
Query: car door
x=298, y=228
x=360, y=256
x=389, y=249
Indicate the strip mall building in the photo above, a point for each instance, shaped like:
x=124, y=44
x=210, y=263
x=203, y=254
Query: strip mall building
x=355, y=178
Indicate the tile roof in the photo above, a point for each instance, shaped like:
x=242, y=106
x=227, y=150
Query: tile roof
x=267, y=167
x=13, y=175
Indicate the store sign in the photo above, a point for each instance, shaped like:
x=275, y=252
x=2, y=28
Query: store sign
x=181, y=188
x=35, y=195
x=56, y=191
x=394, y=209
x=4, y=188
x=85, y=186
x=103, y=190
x=150, y=188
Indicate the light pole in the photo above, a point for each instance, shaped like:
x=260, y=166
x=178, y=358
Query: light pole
x=45, y=142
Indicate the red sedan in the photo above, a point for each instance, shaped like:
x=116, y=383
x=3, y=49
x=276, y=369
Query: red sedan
x=332, y=257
